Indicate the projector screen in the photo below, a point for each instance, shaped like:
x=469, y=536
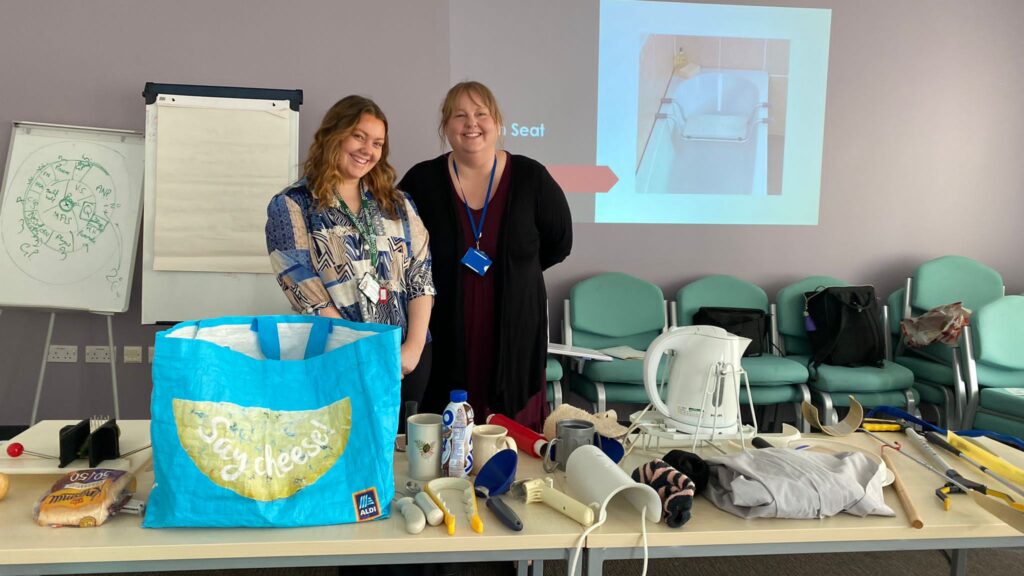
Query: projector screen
x=704, y=113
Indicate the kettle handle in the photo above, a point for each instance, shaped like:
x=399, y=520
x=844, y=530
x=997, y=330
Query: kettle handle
x=652, y=359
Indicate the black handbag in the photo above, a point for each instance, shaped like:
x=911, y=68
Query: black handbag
x=844, y=328
x=751, y=323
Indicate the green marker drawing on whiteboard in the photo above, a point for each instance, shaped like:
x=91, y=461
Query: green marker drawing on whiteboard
x=67, y=207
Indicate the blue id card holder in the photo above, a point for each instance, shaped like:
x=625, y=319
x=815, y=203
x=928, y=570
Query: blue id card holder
x=476, y=261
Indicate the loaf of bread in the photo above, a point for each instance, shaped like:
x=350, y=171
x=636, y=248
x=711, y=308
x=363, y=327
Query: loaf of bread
x=85, y=498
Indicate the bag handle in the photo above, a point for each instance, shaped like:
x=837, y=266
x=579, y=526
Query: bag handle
x=270, y=341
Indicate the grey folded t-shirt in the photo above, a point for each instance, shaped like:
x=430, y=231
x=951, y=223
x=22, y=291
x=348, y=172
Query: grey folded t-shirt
x=786, y=483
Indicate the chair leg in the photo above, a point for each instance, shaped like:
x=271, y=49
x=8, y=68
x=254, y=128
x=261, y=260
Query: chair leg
x=959, y=392
x=771, y=416
x=830, y=411
x=911, y=407
x=602, y=399
x=973, y=390
x=969, y=416
x=556, y=395
x=804, y=425
x=949, y=414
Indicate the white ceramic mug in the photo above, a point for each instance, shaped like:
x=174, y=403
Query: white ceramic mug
x=424, y=446
x=488, y=439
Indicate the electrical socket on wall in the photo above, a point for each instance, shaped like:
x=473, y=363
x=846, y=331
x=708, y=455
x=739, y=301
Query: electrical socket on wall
x=133, y=354
x=58, y=353
x=97, y=354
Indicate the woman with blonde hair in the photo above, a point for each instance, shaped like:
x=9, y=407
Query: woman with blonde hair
x=497, y=221
x=345, y=243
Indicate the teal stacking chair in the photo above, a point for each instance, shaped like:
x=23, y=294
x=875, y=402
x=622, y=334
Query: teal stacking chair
x=890, y=385
x=938, y=373
x=608, y=310
x=773, y=379
x=995, y=367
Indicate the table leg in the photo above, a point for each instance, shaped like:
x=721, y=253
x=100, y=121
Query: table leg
x=958, y=563
x=537, y=568
x=594, y=559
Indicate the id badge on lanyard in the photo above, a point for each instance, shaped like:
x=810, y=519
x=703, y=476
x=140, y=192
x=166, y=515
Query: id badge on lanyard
x=476, y=259
x=368, y=284
x=372, y=289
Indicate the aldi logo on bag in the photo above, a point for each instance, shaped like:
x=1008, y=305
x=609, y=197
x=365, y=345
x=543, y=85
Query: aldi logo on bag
x=367, y=505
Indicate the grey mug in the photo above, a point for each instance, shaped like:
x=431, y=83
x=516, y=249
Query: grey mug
x=569, y=435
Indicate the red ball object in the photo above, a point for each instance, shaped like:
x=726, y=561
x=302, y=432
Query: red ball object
x=15, y=449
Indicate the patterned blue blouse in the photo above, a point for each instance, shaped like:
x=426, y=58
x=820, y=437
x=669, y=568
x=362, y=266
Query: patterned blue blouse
x=320, y=257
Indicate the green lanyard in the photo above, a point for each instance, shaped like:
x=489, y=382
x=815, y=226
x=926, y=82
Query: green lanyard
x=364, y=227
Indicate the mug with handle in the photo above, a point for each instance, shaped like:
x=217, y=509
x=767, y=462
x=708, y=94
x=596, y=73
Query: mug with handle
x=488, y=440
x=570, y=434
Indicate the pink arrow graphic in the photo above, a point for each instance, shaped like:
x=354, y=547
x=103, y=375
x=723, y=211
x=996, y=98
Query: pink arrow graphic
x=582, y=178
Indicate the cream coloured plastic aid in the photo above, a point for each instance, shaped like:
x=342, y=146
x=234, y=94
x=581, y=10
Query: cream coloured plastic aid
x=463, y=486
x=415, y=521
x=703, y=389
x=543, y=490
x=430, y=510
x=594, y=479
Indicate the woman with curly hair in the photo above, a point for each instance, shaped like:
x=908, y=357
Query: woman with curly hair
x=345, y=243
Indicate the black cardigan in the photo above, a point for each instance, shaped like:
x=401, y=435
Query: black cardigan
x=536, y=233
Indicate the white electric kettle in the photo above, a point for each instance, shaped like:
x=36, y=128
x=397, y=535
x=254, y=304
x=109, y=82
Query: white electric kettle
x=703, y=388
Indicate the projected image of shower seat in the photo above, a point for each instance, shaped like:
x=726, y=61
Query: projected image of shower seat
x=710, y=136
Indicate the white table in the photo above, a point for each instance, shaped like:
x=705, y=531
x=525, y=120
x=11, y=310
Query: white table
x=122, y=545
x=43, y=438
x=713, y=532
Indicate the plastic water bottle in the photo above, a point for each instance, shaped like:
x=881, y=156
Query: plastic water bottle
x=457, y=451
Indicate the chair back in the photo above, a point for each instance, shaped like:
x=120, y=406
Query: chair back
x=717, y=290
x=895, y=303
x=790, y=305
x=954, y=279
x=950, y=279
x=999, y=328
x=615, y=309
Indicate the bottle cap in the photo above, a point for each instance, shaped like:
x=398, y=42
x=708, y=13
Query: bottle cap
x=459, y=396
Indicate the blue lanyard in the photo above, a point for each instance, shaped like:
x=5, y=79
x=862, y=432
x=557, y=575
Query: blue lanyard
x=478, y=231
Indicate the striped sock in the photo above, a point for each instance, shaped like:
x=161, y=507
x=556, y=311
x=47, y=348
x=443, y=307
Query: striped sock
x=673, y=487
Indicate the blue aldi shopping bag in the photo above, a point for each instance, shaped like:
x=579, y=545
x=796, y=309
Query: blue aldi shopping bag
x=273, y=421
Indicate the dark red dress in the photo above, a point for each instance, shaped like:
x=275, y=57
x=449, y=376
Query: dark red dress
x=478, y=294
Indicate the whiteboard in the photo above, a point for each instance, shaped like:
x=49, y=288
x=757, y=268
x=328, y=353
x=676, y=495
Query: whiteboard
x=69, y=217
x=206, y=191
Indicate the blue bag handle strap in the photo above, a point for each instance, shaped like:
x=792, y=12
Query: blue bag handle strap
x=270, y=341
x=322, y=328
x=266, y=334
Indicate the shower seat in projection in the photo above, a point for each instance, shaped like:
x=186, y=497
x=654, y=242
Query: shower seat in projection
x=710, y=136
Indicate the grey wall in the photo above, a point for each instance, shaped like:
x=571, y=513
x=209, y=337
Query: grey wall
x=923, y=127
